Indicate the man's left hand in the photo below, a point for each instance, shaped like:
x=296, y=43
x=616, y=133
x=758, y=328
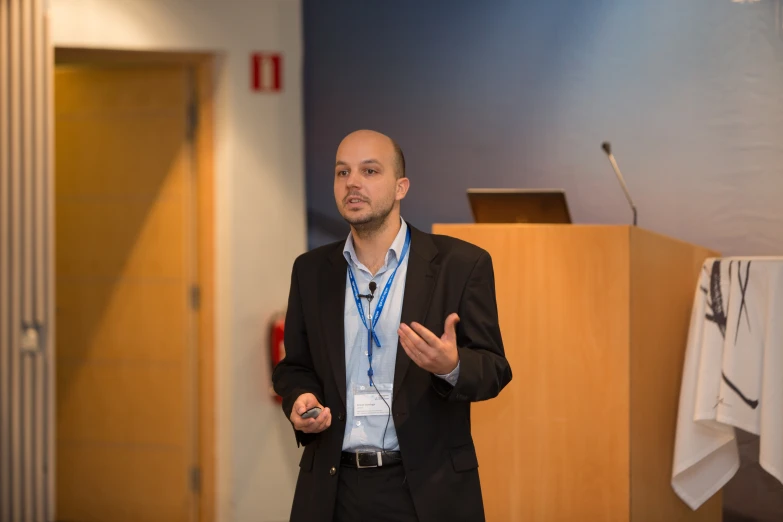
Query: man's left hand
x=430, y=352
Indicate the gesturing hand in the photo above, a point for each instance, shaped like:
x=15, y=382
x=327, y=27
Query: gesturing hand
x=430, y=352
x=303, y=403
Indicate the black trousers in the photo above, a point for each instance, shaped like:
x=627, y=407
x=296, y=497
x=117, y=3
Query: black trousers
x=374, y=494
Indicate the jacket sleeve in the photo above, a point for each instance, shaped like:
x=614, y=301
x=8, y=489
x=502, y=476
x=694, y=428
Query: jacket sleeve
x=295, y=374
x=484, y=369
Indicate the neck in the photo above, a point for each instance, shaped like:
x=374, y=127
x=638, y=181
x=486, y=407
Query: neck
x=371, y=246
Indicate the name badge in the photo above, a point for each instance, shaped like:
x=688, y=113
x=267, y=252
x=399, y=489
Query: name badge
x=370, y=403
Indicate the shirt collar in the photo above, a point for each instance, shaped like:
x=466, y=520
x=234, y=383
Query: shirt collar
x=395, y=250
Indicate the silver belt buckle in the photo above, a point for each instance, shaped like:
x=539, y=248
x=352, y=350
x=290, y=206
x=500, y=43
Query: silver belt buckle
x=358, y=465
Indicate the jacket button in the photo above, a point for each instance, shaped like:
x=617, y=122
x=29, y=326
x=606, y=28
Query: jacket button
x=341, y=417
x=332, y=471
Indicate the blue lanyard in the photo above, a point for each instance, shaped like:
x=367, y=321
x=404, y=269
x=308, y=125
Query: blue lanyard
x=371, y=335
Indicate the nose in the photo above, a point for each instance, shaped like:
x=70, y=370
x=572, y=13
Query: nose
x=353, y=180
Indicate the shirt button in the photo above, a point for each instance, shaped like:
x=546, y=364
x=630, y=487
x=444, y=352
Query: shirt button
x=358, y=423
x=362, y=387
x=332, y=471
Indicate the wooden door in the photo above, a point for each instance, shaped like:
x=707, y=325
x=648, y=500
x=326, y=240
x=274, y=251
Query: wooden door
x=127, y=387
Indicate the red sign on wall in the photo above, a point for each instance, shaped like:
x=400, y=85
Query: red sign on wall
x=266, y=72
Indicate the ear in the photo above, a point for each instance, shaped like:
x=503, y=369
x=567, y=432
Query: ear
x=403, y=184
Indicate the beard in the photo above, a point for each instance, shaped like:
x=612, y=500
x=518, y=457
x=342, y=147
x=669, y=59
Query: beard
x=370, y=224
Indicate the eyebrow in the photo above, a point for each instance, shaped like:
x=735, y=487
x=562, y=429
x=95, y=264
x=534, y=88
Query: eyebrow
x=363, y=162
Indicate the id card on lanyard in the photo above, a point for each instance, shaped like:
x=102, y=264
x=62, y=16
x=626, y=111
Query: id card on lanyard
x=368, y=323
x=367, y=402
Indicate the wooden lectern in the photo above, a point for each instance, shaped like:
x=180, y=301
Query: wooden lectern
x=595, y=323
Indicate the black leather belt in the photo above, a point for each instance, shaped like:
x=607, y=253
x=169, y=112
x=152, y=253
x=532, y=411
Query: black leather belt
x=362, y=459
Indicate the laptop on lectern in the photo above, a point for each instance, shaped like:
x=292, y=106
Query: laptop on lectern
x=519, y=206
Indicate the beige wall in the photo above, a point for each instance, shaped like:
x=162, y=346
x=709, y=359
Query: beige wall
x=260, y=212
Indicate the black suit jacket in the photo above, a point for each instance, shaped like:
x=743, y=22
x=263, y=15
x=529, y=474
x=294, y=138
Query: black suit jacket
x=431, y=417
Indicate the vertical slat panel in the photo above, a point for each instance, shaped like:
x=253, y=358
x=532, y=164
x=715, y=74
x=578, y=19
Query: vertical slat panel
x=26, y=265
x=26, y=122
x=49, y=322
x=17, y=482
x=5, y=290
x=25, y=368
x=27, y=361
x=39, y=158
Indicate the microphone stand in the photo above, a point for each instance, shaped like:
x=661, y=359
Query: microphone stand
x=608, y=150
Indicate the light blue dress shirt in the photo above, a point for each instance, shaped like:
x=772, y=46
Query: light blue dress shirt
x=366, y=433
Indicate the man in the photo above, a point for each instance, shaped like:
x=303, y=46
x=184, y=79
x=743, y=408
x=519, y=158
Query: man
x=392, y=334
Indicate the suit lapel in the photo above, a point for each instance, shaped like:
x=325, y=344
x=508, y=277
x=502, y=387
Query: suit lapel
x=419, y=284
x=332, y=288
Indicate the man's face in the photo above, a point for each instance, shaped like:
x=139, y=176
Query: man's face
x=366, y=185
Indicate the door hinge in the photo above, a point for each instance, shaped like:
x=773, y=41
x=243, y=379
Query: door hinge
x=195, y=480
x=195, y=297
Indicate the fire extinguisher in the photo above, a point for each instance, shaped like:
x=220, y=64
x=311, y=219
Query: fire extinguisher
x=276, y=348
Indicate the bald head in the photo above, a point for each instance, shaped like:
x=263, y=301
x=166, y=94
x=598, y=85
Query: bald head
x=369, y=180
x=373, y=143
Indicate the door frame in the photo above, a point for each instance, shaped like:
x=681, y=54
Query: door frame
x=203, y=65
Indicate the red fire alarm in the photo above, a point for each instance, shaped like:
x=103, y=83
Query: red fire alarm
x=266, y=72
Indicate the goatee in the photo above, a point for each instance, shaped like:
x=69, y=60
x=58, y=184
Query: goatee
x=371, y=225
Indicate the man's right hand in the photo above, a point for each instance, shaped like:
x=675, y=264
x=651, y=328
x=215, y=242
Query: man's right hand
x=316, y=425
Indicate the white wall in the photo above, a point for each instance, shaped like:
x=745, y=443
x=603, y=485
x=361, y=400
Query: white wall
x=260, y=212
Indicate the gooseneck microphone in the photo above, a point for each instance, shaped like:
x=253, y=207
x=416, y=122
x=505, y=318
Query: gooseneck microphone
x=608, y=150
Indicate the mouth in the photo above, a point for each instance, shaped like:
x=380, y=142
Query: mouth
x=354, y=202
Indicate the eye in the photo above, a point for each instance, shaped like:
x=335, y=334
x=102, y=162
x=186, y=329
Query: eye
x=342, y=172
x=372, y=171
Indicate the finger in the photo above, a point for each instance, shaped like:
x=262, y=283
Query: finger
x=303, y=424
x=295, y=415
x=304, y=402
x=450, y=328
x=425, y=353
x=408, y=346
x=311, y=401
x=405, y=339
x=322, y=420
x=319, y=424
x=405, y=334
x=422, y=360
x=426, y=335
x=413, y=338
